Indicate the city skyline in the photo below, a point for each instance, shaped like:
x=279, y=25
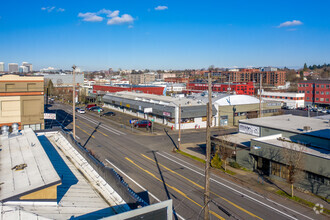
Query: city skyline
x=164, y=34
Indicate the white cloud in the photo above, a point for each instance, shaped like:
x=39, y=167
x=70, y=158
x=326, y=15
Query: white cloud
x=160, y=8
x=124, y=19
x=50, y=9
x=290, y=23
x=114, y=14
x=114, y=18
x=89, y=16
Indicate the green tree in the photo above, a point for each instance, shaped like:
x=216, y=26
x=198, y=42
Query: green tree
x=305, y=67
x=50, y=87
x=301, y=75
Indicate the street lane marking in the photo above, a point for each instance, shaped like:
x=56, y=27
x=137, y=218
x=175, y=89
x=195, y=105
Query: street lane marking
x=85, y=131
x=247, y=196
x=102, y=126
x=173, y=188
x=212, y=174
x=158, y=200
x=196, y=184
x=96, y=122
x=94, y=128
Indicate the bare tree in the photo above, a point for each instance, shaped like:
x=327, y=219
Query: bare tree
x=224, y=150
x=293, y=156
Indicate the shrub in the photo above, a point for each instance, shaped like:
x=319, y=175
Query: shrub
x=234, y=165
x=216, y=162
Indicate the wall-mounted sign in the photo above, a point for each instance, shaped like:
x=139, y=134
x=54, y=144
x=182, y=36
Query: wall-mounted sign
x=128, y=105
x=147, y=110
x=168, y=114
x=51, y=116
x=249, y=129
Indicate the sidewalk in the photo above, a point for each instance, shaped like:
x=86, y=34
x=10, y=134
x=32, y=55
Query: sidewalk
x=252, y=179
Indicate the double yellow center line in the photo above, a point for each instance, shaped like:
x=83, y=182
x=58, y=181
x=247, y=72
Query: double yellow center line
x=192, y=182
x=173, y=188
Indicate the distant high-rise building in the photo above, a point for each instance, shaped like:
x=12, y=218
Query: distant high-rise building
x=23, y=69
x=12, y=67
x=28, y=65
x=2, y=67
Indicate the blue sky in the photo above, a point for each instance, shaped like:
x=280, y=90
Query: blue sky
x=164, y=34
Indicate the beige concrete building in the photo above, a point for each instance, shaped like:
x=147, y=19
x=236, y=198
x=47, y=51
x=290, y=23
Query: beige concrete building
x=142, y=78
x=22, y=101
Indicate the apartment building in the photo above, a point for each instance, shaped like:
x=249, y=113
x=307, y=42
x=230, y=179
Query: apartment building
x=236, y=88
x=317, y=92
x=22, y=101
x=271, y=78
x=142, y=78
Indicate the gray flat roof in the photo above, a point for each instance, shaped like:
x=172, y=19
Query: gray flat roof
x=24, y=149
x=276, y=141
x=238, y=138
x=156, y=98
x=292, y=123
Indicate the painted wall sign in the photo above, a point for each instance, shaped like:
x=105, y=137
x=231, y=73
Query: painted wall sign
x=249, y=129
x=51, y=116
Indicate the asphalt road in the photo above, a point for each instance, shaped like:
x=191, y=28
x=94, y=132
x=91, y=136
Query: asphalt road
x=148, y=165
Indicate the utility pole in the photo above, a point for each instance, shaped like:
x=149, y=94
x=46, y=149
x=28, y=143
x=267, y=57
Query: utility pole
x=208, y=151
x=179, y=139
x=260, y=88
x=74, y=100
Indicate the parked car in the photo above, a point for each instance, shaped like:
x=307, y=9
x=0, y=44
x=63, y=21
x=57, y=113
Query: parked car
x=90, y=106
x=142, y=124
x=81, y=111
x=324, y=111
x=290, y=107
x=109, y=114
x=96, y=109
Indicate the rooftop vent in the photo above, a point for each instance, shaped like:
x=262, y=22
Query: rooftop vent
x=5, y=131
x=15, y=127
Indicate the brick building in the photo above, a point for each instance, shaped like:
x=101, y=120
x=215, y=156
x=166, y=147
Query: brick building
x=269, y=78
x=237, y=88
x=317, y=92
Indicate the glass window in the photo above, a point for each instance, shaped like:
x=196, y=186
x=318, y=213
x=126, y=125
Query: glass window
x=33, y=127
x=25, y=127
x=38, y=126
x=322, y=86
x=317, y=86
x=317, y=99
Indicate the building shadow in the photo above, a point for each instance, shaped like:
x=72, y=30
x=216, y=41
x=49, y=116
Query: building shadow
x=168, y=194
x=68, y=178
x=102, y=213
x=175, y=146
x=90, y=136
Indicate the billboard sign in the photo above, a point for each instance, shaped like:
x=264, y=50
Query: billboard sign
x=147, y=110
x=168, y=114
x=51, y=116
x=249, y=129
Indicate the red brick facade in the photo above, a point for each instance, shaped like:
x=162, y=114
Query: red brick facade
x=316, y=91
x=238, y=88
